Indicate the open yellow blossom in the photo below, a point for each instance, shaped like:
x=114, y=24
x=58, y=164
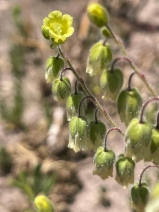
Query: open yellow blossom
x=57, y=27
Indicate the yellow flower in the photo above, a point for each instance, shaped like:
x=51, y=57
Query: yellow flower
x=43, y=204
x=57, y=27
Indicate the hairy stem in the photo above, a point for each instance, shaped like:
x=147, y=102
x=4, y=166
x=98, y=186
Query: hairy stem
x=141, y=76
x=88, y=92
x=79, y=108
x=111, y=129
x=141, y=175
x=129, y=81
x=144, y=106
x=63, y=70
x=95, y=116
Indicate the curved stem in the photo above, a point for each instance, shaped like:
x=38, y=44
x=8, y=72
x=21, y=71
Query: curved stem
x=122, y=48
x=58, y=55
x=144, y=106
x=111, y=129
x=95, y=116
x=87, y=92
x=79, y=109
x=157, y=121
x=129, y=81
x=119, y=59
x=104, y=42
x=141, y=175
x=63, y=70
x=76, y=92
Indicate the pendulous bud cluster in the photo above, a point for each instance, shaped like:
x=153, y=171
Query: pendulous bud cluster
x=141, y=137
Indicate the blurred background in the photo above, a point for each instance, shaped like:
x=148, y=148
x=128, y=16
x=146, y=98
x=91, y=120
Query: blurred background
x=34, y=158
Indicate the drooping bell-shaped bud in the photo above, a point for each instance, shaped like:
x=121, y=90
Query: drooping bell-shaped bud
x=61, y=89
x=139, y=196
x=138, y=137
x=99, y=58
x=53, y=67
x=78, y=134
x=125, y=171
x=72, y=105
x=105, y=32
x=129, y=104
x=111, y=83
x=97, y=14
x=97, y=132
x=104, y=161
x=154, y=146
x=43, y=204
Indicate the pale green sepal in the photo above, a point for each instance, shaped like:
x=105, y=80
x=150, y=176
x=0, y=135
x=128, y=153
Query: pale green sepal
x=53, y=67
x=129, y=104
x=154, y=146
x=99, y=58
x=139, y=197
x=138, y=137
x=103, y=162
x=72, y=105
x=111, y=83
x=61, y=89
x=97, y=133
x=78, y=134
x=125, y=171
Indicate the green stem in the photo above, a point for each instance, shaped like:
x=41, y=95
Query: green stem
x=88, y=92
x=141, y=76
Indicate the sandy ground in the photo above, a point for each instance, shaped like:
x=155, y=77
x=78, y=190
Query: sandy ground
x=140, y=27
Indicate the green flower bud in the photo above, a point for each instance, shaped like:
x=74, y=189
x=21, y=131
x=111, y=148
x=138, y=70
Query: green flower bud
x=61, y=89
x=97, y=133
x=53, y=67
x=78, y=134
x=99, y=57
x=125, y=170
x=72, y=105
x=140, y=196
x=138, y=137
x=154, y=146
x=45, y=32
x=111, y=83
x=104, y=163
x=97, y=14
x=43, y=204
x=105, y=32
x=129, y=104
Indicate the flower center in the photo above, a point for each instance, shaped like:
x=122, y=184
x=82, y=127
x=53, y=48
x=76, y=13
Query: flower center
x=57, y=28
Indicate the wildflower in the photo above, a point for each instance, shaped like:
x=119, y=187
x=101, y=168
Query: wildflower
x=97, y=134
x=57, y=27
x=104, y=161
x=97, y=14
x=129, y=104
x=42, y=204
x=61, y=89
x=140, y=195
x=111, y=83
x=78, y=138
x=99, y=58
x=125, y=170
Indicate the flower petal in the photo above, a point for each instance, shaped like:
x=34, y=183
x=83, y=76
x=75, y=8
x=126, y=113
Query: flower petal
x=67, y=20
x=55, y=15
